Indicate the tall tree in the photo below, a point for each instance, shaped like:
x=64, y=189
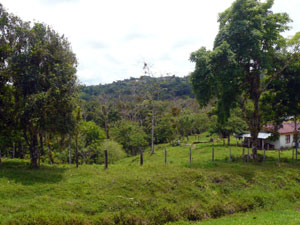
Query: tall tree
x=282, y=99
x=244, y=54
x=43, y=74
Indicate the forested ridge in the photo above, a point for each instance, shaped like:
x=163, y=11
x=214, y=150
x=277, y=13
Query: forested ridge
x=168, y=88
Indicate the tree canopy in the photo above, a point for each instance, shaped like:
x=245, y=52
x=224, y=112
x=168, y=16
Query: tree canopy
x=38, y=81
x=246, y=51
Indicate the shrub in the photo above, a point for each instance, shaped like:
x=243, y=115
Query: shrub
x=114, y=150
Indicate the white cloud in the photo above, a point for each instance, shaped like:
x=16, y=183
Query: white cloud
x=112, y=38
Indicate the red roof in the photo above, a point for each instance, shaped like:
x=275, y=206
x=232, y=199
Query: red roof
x=285, y=128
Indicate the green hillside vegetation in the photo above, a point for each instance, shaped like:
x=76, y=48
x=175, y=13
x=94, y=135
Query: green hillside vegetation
x=155, y=193
x=169, y=87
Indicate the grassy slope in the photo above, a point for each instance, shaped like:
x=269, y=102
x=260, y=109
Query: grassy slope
x=127, y=193
x=276, y=217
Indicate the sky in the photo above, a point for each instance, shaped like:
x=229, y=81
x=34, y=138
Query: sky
x=113, y=38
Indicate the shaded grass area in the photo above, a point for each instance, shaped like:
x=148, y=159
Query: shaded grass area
x=154, y=193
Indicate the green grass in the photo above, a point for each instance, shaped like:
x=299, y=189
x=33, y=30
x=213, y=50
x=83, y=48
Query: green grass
x=291, y=217
x=154, y=193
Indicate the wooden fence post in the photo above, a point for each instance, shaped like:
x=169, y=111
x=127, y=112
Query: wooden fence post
x=243, y=154
x=165, y=155
x=293, y=154
x=190, y=156
x=105, y=159
x=141, y=157
x=296, y=152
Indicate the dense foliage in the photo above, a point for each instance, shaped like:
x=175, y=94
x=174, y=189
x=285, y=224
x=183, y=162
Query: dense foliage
x=168, y=87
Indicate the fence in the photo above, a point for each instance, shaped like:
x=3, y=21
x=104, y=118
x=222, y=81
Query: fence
x=245, y=158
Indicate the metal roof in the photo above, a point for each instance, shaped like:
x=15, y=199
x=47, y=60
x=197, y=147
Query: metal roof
x=285, y=128
x=261, y=135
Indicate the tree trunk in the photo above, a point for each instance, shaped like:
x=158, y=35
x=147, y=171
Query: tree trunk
x=76, y=150
x=106, y=125
x=255, y=124
x=228, y=140
x=296, y=133
x=40, y=149
x=49, y=150
x=20, y=150
x=152, y=131
x=41, y=144
x=14, y=150
x=33, y=151
x=70, y=151
x=106, y=129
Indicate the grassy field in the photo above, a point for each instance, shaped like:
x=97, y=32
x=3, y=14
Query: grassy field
x=291, y=217
x=205, y=192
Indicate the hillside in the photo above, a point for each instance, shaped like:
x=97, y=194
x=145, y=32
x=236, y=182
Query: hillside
x=165, y=88
x=155, y=193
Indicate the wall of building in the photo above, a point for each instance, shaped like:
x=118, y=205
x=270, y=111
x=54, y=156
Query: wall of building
x=281, y=142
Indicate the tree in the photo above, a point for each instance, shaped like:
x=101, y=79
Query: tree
x=282, y=99
x=185, y=125
x=234, y=125
x=130, y=135
x=154, y=91
x=90, y=138
x=165, y=130
x=244, y=55
x=43, y=71
x=9, y=124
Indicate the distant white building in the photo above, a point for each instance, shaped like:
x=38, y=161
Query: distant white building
x=286, y=137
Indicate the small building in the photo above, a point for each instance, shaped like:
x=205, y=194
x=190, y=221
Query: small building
x=262, y=140
x=285, y=140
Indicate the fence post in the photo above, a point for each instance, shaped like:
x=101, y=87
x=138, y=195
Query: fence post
x=296, y=152
x=248, y=156
x=229, y=154
x=243, y=154
x=213, y=153
x=165, y=155
x=263, y=148
x=190, y=156
x=141, y=157
x=105, y=159
x=279, y=155
x=293, y=154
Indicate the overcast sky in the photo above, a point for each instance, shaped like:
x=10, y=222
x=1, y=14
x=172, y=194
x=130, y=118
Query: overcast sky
x=112, y=38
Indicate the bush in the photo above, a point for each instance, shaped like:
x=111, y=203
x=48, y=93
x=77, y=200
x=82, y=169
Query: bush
x=130, y=135
x=114, y=150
